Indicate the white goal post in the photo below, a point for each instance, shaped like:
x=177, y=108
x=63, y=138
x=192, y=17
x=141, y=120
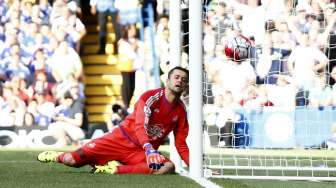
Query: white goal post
x=195, y=80
x=195, y=89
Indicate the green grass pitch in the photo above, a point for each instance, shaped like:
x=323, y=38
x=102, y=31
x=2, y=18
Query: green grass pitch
x=19, y=168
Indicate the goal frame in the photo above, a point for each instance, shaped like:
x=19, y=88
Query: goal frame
x=195, y=110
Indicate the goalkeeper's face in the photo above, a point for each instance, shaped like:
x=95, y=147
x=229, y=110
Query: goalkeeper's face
x=177, y=82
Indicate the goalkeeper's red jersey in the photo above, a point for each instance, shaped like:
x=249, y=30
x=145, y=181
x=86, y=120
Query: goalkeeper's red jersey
x=153, y=119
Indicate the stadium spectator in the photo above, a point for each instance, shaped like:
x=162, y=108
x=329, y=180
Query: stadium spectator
x=330, y=143
x=45, y=30
x=28, y=39
x=14, y=107
x=163, y=7
x=162, y=46
x=209, y=41
x=226, y=118
x=29, y=120
x=235, y=77
x=18, y=85
x=330, y=48
x=255, y=97
x=57, y=10
x=119, y=114
x=75, y=6
x=162, y=41
x=146, y=6
x=253, y=17
x=44, y=108
x=128, y=11
x=104, y=9
x=131, y=51
x=221, y=18
x=51, y=47
x=77, y=91
x=333, y=75
x=41, y=84
x=26, y=65
x=11, y=47
x=2, y=35
x=15, y=67
x=27, y=11
x=38, y=63
x=72, y=85
x=135, y=145
x=305, y=61
x=3, y=11
x=65, y=56
x=7, y=119
x=282, y=94
x=72, y=26
x=272, y=60
x=321, y=94
x=162, y=24
x=45, y=11
x=76, y=30
x=68, y=119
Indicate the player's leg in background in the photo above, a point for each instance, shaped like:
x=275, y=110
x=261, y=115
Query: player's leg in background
x=117, y=30
x=102, y=21
x=128, y=87
x=58, y=132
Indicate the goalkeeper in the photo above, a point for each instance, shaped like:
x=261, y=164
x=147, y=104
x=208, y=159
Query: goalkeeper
x=131, y=148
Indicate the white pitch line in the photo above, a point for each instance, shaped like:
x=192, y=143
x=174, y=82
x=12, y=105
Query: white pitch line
x=202, y=181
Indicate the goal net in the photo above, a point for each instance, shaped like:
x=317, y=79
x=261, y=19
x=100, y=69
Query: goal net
x=273, y=115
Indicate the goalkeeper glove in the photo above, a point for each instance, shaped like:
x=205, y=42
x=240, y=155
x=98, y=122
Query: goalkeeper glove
x=153, y=157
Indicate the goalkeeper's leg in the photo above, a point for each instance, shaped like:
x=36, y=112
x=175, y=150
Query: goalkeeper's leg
x=142, y=168
x=136, y=164
x=74, y=159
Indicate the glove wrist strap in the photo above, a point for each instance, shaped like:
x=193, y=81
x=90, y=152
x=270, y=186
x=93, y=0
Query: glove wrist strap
x=147, y=146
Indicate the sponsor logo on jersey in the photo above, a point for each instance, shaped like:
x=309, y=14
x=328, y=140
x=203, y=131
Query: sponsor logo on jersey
x=155, y=131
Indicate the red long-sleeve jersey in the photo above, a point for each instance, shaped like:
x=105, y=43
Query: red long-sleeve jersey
x=154, y=117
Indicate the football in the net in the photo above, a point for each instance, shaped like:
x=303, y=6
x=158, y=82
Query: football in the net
x=238, y=48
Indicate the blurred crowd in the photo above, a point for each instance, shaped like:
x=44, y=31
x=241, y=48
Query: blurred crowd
x=40, y=67
x=291, y=65
x=293, y=62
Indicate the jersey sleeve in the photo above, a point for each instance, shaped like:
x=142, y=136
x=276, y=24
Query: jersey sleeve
x=180, y=134
x=141, y=114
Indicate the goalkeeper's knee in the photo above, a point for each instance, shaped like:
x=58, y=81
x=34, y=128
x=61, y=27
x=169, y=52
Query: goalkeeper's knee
x=68, y=159
x=167, y=168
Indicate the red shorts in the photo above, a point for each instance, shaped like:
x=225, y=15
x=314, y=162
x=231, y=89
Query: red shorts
x=112, y=146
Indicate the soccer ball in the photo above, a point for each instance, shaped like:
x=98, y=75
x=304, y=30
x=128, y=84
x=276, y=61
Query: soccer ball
x=238, y=48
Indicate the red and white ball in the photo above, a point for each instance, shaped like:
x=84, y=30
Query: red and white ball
x=238, y=48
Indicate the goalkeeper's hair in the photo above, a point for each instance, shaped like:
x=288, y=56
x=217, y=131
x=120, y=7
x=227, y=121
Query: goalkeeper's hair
x=178, y=68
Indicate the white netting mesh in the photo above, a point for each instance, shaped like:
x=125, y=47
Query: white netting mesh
x=273, y=114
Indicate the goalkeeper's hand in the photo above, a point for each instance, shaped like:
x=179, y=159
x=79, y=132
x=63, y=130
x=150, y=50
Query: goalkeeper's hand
x=153, y=157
